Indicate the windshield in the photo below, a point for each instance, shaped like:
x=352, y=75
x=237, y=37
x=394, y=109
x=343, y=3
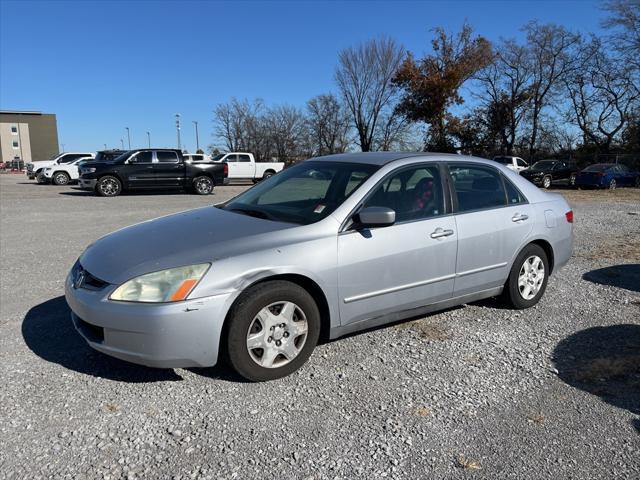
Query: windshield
x=218, y=157
x=121, y=158
x=543, y=165
x=303, y=194
x=598, y=167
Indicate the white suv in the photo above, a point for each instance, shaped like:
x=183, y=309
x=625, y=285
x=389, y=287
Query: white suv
x=33, y=169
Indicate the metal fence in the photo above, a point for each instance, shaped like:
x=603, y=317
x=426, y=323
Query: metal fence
x=631, y=160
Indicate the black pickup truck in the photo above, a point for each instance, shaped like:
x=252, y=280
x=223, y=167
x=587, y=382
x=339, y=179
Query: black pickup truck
x=547, y=172
x=151, y=168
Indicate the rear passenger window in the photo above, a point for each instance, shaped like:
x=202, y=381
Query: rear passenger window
x=477, y=188
x=167, y=157
x=514, y=197
x=413, y=193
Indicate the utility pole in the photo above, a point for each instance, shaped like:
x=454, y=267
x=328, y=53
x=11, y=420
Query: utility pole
x=128, y=137
x=105, y=146
x=149, y=139
x=197, y=139
x=178, y=129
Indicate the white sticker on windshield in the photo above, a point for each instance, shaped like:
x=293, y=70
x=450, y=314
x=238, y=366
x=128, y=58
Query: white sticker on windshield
x=319, y=209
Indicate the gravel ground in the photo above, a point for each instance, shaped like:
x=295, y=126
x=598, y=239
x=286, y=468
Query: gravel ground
x=474, y=392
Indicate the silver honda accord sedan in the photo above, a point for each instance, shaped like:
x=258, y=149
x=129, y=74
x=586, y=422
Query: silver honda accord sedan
x=329, y=246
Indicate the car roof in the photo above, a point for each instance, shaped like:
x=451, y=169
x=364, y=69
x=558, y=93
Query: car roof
x=383, y=158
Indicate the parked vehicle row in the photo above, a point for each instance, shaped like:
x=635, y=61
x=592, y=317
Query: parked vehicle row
x=111, y=172
x=546, y=173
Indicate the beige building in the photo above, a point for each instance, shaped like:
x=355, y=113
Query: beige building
x=28, y=136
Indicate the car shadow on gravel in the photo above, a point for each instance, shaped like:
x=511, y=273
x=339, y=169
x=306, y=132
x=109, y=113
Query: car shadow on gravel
x=625, y=276
x=49, y=333
x=604, y=361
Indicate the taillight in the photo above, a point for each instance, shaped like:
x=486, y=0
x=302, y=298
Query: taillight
x=569, y=216
x=601, y=174
x=226, y=170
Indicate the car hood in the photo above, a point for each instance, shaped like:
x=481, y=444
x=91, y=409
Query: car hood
x=42, y=163
x=196, y=236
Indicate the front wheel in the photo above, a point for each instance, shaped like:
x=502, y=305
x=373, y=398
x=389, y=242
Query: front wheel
x=108, y=186
x=203, y=185
x=61, y=178
x=572, y=181
x=272, y=331
x=546, y=182
x=528, y=278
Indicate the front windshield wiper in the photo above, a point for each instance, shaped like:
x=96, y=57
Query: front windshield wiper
x=253, y=213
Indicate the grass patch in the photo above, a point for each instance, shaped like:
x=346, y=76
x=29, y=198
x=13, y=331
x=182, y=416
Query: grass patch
x=467, y=464
x=428, y=331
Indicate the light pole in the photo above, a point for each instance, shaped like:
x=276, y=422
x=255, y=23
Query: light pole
x=178, y=129
x=128, y=137
x=122, y=143
x=105, y=146
x=149, y=139
x=197, y=140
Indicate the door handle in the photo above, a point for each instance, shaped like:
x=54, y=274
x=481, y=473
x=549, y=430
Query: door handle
x=439, y=233
x=519, y=217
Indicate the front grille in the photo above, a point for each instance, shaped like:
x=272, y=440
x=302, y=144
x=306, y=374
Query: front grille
x=83, y=279
x=30, y=167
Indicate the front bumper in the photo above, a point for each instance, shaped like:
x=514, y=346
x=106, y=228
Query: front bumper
x=89, y=184
x=169, y=335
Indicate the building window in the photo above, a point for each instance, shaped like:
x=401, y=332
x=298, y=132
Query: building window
x=14, y=129
x=15, y=144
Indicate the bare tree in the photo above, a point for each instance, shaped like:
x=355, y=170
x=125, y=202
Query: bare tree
x=284, y=127
x=602, y=97
x=506, y=92
x=624, y=22
x=364, y=75
x=328, y=125
x=551, y=58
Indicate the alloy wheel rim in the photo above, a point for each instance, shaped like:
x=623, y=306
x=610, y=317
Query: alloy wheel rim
x=109, y=187
x=277, y=334
x=203, y=185
x=572, y=180
x=547, y=182
x=531, y=277
x=612, y=185
x=61, y=179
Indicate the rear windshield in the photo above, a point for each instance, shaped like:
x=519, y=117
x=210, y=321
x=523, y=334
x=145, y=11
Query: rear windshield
x=598, y=167
x=503, y=160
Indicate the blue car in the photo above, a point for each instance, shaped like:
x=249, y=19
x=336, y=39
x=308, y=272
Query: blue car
x=608, y=175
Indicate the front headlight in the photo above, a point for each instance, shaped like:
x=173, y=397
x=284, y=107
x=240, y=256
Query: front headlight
x=88, y=170
x=170, y=285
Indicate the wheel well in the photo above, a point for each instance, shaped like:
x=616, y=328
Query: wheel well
x=270, y=170
x=548, y=249
x=61, y=171
x=310, y=286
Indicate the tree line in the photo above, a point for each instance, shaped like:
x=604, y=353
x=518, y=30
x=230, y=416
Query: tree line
x=554, y=92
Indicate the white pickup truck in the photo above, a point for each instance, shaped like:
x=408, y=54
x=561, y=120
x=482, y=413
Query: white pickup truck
x=516, y=164
x=243, y=166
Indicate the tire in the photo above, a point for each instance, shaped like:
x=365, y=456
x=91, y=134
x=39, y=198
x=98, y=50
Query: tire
x=109, y=186
x=515, y=290
x=203, y=185
x=612, y=184
x=267, y=174
x=637, y=182
x=248, y=324
x=546, y=182
x=572, y=180
x=60, y=178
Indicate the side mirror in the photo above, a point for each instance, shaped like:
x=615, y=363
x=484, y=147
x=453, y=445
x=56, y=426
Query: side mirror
x=375, y=217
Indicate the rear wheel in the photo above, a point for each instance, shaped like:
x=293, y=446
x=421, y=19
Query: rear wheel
x=61, y=178
x=108, y=186
x=546, y=182
x=203, y=185
x=272, y=330
x=267, y=174
x=572, y=180
x=612, y=184
x=528, y=278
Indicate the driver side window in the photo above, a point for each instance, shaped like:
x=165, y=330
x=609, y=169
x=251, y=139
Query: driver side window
x=413, y=193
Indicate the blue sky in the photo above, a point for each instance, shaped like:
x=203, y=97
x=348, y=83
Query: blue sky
x=104, y=66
